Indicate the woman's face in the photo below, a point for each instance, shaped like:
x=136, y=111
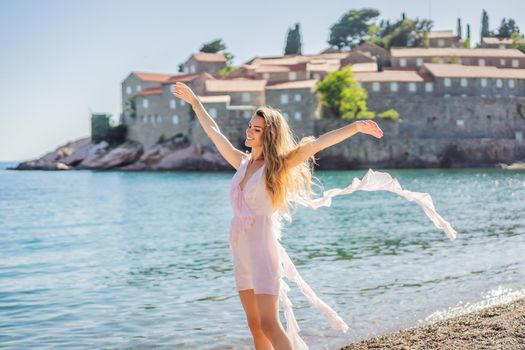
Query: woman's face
x=254, y=132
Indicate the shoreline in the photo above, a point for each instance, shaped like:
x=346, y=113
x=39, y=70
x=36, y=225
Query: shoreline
x=497, y=327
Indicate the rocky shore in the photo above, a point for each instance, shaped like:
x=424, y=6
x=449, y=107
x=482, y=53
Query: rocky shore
x=173, y=154
x=177, y=153
x=497, y=327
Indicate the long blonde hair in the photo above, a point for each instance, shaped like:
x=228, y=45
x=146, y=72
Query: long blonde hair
x=284, y=184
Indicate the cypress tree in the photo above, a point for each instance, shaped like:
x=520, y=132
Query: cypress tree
x=485, y=31
x=293, y=41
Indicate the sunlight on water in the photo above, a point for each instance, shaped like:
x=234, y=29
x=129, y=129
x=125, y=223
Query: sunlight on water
x=141, y=260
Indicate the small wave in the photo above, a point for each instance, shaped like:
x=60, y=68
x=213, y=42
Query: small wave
x=493, y=297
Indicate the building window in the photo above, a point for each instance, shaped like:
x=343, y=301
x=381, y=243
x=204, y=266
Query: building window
x=441, y=42
x=139, y=88
x=192, y=68
x=298, y=115
x=429, y=87
x=247, y=114
x=317, y=76
x=483, y=82
x=412, y=87
x=499, y=83
x=447, y=82
x=511, y=84
x=419, y=62
x=128, y=90
x=145, y=103
x=245, y=97
x=393, y=87
x=402, y=62
x=292, y=76
x=464, y=82
x=502, y=46
x=144, y=119
x=182, y=103
x=266, y=76
x=297, y=97
x=284, y=99
x=175, y=119
x=159, y=118
x=213, y=112
x=502, y=62
x=515, y=63
x=441, y=60
x=376, y=86
x=460, y=122
x=285, y=115
x=481, y=62
x=173, y=104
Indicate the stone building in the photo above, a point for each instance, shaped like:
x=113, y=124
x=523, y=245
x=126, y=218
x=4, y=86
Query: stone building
x=204, y=62
x=297, y=102
x=382, y=55
x=478, y=102
x=496, y=43
x=442, y=38
x=416, y=57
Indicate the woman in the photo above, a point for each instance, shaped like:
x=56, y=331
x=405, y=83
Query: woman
x=276, y=173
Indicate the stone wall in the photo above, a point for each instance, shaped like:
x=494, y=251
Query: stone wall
x=433, y=132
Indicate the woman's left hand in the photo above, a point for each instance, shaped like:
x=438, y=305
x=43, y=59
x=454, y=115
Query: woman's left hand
x=369, y=127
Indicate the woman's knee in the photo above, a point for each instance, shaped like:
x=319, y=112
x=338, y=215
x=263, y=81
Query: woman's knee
x=270, y=325
x=254, y=323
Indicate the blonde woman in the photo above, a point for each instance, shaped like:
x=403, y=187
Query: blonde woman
x=277, y=173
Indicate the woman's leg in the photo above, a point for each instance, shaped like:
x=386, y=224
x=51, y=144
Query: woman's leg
x=254, y=320
x=268, y=307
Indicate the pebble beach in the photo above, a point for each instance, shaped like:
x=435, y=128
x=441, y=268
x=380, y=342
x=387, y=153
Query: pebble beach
x=497, y=327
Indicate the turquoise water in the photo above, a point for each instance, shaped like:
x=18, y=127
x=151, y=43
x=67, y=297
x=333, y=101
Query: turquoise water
x=109, y=260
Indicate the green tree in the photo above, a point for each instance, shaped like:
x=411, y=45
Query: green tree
x=518, y=41
x=466, y=42
x=409, y=33
x=341, y=94
x=507, y=27
x=459, y=29
x=293, y=41
x=352, y=28
x=216, y=46
x=213, y=46
x=485, y=31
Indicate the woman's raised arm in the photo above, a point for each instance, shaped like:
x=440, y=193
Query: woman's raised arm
x=226, y=149
x=331, y=138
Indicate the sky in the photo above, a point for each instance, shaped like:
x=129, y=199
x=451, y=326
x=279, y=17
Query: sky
x=60, y=60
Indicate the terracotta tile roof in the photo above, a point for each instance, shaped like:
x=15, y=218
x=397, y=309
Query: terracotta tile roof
x=364, y=67
x=460, y=52
x=460, y=71
x=488, y=40
x=150, y=91
x=208, y=57
x=270, y=69
x=188, y=77
x=234, y=85
x=390, y=76
x=441, y=34
x=215, y=99
x=299, y=84
x=152, y=77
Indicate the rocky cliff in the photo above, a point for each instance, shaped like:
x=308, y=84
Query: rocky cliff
x=173, y=154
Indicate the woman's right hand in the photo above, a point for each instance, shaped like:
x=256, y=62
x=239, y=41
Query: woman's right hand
x=184, y=92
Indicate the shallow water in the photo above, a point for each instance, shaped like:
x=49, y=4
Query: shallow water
x=111, y=260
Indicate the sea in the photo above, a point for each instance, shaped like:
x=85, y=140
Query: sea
x=141, y=260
